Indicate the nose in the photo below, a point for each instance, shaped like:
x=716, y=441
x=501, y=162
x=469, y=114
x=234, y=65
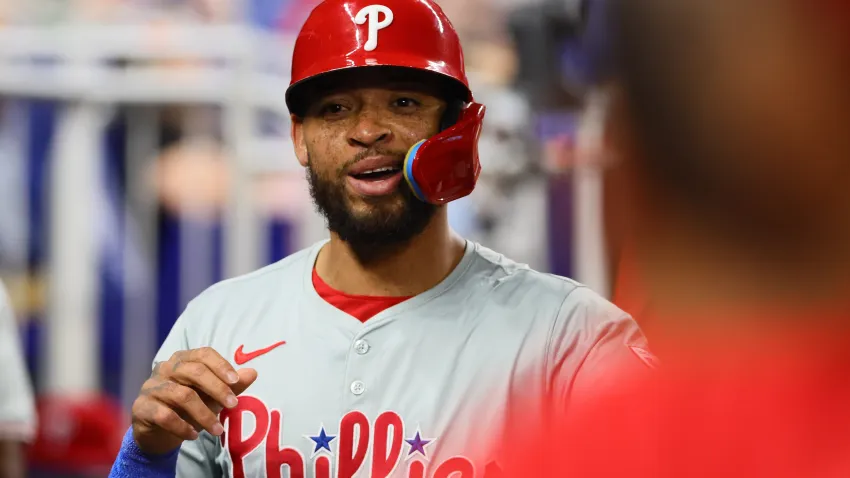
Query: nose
x=368, y=129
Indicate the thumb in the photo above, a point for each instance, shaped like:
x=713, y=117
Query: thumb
x=247, y=376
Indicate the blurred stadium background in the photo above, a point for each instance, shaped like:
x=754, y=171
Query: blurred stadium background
x=145, y=155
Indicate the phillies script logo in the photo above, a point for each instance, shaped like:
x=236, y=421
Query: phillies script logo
x=356, y=434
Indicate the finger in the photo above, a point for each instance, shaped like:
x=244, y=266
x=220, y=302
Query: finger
x=154, y=414
x=215, y=362
x=156, y=371
x=191, y=421
x=210, y=403
x=198, y=376
x=247, y=376
x=186, y=402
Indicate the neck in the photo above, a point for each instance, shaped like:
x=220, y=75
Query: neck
x=410, y=270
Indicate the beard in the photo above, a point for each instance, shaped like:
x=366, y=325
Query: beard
x=379, y=232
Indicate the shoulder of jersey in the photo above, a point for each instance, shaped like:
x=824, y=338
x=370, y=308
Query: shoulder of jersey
x=506, y=276
x=284, y=275
x=514, y=283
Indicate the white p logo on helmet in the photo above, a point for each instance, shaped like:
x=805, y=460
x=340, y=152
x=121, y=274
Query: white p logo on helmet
x=372, y=14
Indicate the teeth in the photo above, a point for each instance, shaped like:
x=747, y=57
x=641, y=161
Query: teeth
x=380, y=170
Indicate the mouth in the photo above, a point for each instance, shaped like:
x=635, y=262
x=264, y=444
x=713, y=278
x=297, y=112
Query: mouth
x=376, y=176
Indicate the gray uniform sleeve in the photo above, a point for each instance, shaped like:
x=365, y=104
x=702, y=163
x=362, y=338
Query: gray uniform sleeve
x=17, y=408
x=594, y=347
x=197, y=458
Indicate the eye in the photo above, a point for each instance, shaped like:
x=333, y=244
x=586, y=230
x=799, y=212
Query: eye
x=332, y=109
x=405, y=102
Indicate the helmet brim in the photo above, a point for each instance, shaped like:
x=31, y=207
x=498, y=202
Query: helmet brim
x=300, y=93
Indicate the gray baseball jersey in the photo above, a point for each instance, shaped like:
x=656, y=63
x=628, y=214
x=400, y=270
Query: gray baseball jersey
x=17, y=408
x=418, y=390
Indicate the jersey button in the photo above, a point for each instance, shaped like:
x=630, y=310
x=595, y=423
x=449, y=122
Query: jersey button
x=361, y=347
x=358, y=387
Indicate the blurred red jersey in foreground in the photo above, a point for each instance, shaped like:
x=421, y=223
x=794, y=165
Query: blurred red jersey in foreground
x=731, y=404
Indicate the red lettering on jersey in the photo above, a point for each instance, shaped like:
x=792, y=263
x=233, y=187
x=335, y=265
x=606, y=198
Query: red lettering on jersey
x=384, y=461
x=349, y=458
x=354, y=441
x=416, y=470
x=322, y=467
x=232, y=420
x=454, y=465
x=277, y=457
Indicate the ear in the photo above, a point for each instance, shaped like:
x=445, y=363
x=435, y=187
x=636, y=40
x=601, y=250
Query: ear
x=298, y=140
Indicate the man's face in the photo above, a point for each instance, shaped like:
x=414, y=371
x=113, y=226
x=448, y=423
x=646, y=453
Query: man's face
x=353, y=140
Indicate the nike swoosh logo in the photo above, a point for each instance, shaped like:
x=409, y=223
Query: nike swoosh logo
x=241, y=357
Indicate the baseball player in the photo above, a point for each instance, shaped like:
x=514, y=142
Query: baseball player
x=393, y=348
x=17, y=408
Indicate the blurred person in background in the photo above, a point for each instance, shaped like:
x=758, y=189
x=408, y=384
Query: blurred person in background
x=17, y=407
x=729, y=122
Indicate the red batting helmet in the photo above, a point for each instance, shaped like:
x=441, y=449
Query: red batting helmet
x=415, y=34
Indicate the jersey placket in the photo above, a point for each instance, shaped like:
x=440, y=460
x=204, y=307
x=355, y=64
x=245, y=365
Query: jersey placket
x=360, y=378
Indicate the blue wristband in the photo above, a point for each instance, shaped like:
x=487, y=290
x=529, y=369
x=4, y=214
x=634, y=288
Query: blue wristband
x=133, y=462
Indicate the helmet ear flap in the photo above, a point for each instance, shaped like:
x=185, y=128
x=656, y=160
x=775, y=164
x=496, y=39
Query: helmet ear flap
x=445, y=167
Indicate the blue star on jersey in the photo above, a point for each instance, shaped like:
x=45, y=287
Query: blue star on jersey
x=417, y=444
x=322, y=440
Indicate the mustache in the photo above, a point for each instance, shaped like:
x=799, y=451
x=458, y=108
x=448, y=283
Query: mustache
x=369, y=153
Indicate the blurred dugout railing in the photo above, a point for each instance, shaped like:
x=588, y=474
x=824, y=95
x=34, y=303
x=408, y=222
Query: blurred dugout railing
x=236, y=70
